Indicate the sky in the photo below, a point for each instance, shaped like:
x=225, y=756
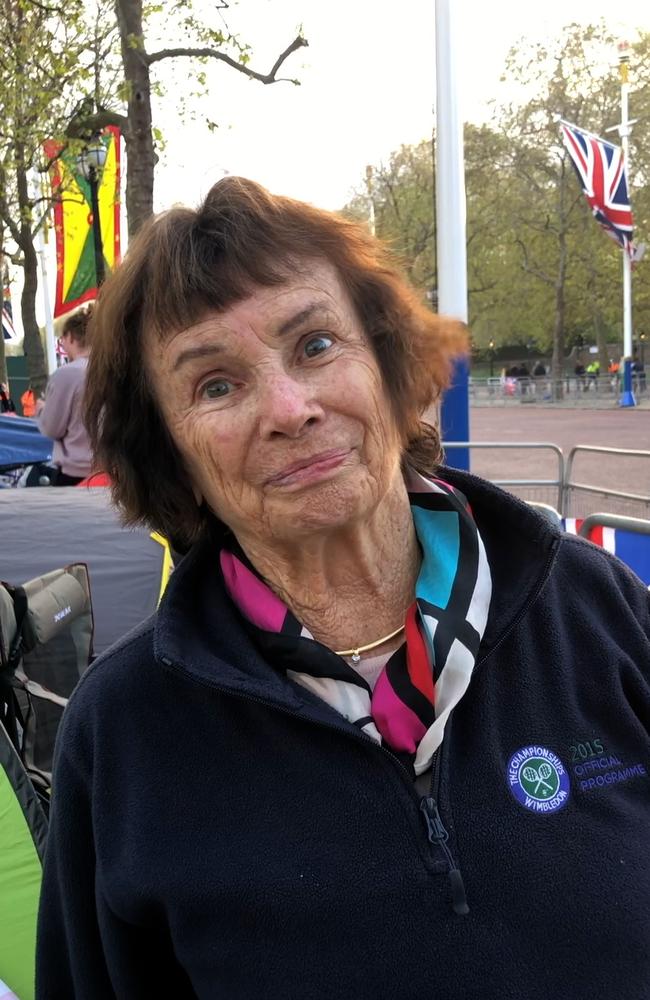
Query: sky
x=367, y=87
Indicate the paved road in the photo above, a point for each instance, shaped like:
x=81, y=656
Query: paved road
x=565, y=427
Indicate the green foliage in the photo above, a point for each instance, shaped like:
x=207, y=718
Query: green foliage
x=539, y=268
x=49, y=71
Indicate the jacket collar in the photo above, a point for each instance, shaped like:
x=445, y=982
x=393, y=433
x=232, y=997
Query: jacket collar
x=199, y=632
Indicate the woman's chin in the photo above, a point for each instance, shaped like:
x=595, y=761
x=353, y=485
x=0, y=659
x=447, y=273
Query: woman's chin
x=319, y=510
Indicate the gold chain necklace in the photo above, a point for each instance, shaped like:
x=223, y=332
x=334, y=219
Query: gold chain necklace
x=358, y=650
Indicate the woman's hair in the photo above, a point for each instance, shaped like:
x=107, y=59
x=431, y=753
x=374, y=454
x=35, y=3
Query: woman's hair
x=184, y=263
x=76, y=326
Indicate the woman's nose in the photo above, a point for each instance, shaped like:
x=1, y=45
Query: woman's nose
x=288, y=406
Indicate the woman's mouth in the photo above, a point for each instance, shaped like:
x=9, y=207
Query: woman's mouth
x=311, y=469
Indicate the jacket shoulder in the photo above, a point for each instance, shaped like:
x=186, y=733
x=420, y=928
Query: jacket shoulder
x=611, y=593
x=122, y=671
x=584, y=555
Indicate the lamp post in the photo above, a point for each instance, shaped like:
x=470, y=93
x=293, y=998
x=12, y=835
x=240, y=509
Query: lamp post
x=642, y=340
x=491, y=346
x=91, y=162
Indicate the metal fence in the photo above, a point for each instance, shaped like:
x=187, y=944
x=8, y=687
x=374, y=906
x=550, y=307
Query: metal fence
x=637, y=525
x=569, y=496
x=545, y=490
x=584, y=391
x=580, y=498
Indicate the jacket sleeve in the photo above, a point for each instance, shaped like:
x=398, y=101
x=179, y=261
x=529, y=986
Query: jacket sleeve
x=70, y=960
x=54, y=418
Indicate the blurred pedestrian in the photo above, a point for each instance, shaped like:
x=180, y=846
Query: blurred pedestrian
x=59, y=415
x=7, y=406
x=28, y=402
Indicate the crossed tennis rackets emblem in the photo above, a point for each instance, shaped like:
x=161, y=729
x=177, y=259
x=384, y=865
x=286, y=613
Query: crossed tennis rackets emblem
x=538, y=776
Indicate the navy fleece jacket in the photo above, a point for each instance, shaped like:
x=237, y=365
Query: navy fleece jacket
x=218, y=832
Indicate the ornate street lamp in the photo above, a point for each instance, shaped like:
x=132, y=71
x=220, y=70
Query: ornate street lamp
x=642, y=339
x=91, y=162
x=491, y=346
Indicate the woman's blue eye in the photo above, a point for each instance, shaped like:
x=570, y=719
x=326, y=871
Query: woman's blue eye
x=316, y=345
x=216, y=388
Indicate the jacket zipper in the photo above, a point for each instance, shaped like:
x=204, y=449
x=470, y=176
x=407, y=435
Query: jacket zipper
x=436, y=831
x=438, y=835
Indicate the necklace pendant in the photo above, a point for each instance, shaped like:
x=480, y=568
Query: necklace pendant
x=356, y=656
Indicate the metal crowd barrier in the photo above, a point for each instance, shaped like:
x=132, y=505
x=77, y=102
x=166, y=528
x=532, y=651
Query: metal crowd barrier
x=638, y=525
x=562, y=491
x=620, y=501
x=553, y=486
x=572, y=390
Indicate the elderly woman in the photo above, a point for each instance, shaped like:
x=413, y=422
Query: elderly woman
x=387, y=735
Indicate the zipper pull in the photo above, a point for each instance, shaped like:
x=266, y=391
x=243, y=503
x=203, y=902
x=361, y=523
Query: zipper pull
x=437, y=834
x=435, y=827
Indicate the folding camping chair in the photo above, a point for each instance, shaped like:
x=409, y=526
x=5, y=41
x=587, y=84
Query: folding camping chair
x=47, y=653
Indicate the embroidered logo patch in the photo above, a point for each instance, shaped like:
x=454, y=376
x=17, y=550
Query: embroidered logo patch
x=538, y=779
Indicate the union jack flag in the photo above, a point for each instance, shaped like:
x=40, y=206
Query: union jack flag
x=8, y=329
x=601, y=172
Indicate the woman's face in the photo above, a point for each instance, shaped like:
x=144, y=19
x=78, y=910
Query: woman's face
x=278, y=409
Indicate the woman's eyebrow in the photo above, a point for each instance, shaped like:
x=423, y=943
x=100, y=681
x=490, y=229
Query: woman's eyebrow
x=196, y=353
x=300, y=317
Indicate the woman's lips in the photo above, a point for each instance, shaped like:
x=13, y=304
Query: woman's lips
x=309, y=469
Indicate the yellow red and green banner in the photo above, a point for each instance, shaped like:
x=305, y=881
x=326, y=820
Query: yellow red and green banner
x=76, y=279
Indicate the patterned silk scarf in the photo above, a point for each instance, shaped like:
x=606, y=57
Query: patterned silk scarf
x=428, y=675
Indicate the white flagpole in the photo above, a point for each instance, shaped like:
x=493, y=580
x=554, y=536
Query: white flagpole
x=627, y=396
x=50, y=340
x=451, y=209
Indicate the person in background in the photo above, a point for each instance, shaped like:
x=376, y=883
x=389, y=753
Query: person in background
x=580, y=373
x=28, y=401
x=59, y=414
x=593, y=371
x=7, y=406
x=638, y=370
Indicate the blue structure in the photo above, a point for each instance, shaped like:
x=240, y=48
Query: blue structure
x=627, y=399
x=454, y=415
x=21, y=443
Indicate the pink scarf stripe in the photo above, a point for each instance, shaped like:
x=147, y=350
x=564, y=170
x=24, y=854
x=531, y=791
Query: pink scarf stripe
x=397, y=723
x=257, y=601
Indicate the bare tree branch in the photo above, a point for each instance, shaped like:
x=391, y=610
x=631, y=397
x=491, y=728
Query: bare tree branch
x=46, y=9
x=210, y=53
x=530, y=269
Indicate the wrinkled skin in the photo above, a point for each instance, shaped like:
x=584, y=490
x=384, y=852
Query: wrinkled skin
x=285, y=377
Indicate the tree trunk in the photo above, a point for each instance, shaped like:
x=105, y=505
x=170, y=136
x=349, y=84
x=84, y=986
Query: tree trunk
x=3, y=361
x=140, y=157
x=32, y=345
x=596, y=312
x=601, y=340
x=3, y=356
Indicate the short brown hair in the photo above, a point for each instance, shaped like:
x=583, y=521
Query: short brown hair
x=76, y=326
x=184, y=263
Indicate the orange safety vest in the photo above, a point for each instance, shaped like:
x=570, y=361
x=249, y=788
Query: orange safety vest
x=28, y=403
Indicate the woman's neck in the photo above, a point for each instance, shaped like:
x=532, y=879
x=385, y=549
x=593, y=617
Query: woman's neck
x=351, y=586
